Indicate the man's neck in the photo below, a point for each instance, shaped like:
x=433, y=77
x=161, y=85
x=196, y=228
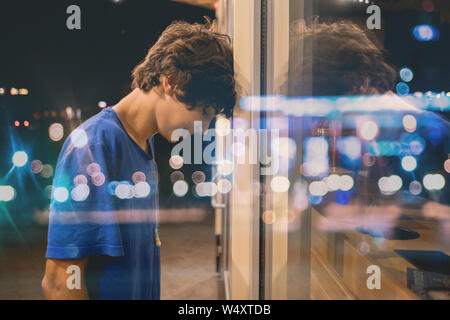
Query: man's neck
x=137, y=114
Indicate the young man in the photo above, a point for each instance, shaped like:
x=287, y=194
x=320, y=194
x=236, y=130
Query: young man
x=103, y=240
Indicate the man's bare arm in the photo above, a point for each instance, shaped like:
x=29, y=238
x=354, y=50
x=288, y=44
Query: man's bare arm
x=55, y=285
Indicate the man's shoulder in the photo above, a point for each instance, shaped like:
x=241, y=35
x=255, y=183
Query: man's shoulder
x=101, y=129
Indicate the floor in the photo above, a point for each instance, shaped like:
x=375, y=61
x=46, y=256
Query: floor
x=187, y=259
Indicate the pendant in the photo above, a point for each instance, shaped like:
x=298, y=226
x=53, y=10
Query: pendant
x=157, y=241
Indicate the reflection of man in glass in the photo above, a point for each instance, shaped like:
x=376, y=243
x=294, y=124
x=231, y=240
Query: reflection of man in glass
x=103, y=240
x=338, y=59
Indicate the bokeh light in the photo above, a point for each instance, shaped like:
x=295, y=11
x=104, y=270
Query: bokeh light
x=402, y=88
x=318, y=188
x=198, y=177
x=279, y=184
x=20, y=158
x=176, y=162
x=409, y=163
x=333, y=182
x=225, y=167
x=447, y=165
x=434, y=182
x=61, y=194
x=390, y=185
x=142, y=189
x=284, y=147
x=80, y=192
x=80, y=179
x=56, y=131
x=415, y=188
x=47, y=171
x=138, y=176
x=409, y=123
x=425, y=32
x=268, y=217
x=124, y=190
x=176, y=175
x=93, y=168
x=180, y=188
x=350, y=147
x=346, y=182
x=368, y=160
x=406, y=74
x=36, y=166
x=7, y=193
x=315, y=158
x=224, y=186
x=79, y=138
x=368, y=130
x=428, y=5
x=206, y=189
x=223, y=127
x=98, y=179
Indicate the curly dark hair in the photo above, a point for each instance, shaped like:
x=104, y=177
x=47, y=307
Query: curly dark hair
x=339, y=58
x=198, y=62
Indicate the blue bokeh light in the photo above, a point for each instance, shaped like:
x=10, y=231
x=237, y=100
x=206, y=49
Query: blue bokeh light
x=402, y=88
x=426, y=32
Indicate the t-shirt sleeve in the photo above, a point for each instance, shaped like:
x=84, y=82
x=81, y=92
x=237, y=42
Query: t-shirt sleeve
x=83, y=213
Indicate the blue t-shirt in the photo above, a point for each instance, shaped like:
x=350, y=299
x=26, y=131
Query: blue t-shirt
x=105, y=205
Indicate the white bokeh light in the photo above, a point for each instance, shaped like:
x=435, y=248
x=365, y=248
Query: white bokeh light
x=346, y=182
x=318, y=188
x=368, y=130
x=206, y=189
x=333, y=182
x=280, y=184
x=79, y=138
x=434, y=182
x=7, y=193
x=60, y=194
x=142, y=189
x=20, y=158
x=390, y=185
x=80, y=192
x=409, y=163
x=124, y=191
x=180, y=188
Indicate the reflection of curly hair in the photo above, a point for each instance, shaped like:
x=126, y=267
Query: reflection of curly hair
x=338, y=59
x=198, y=63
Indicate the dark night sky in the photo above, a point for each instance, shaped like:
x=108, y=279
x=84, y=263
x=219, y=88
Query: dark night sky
x=62, y=67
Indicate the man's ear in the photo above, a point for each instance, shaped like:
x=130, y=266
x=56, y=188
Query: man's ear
x=167, y=87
